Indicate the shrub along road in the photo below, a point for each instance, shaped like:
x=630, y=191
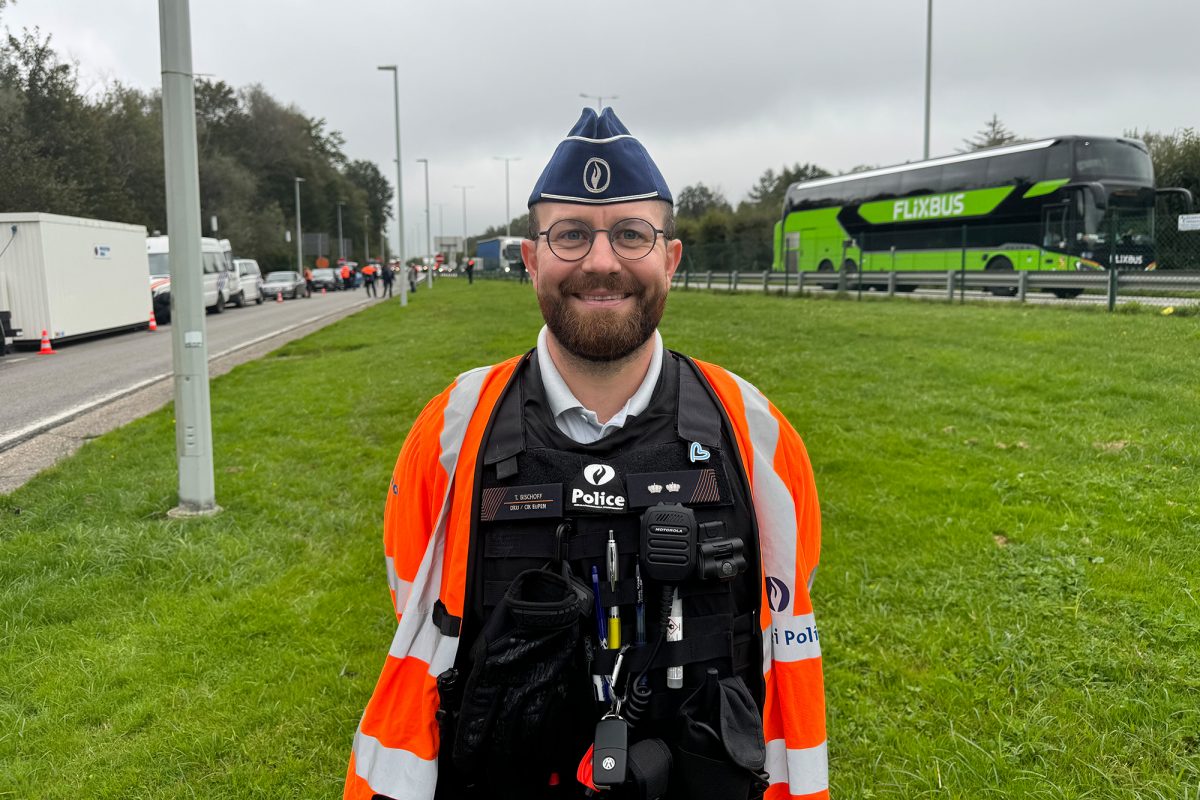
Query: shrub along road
x=1008, y=596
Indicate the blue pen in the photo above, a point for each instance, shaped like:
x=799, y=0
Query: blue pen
x=601, y=683
x=600, y=629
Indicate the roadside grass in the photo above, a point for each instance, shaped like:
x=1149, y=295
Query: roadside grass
x=1009, y=595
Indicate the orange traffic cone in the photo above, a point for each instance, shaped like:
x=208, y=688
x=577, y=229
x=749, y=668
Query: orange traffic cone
x=279, y=297
x=153, y=321
x=46, y=350
x=322, y=291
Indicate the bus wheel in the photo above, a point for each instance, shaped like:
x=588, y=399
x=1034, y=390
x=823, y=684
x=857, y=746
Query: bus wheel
x=1066, y=294
x=1001, y=264
x=849, y=268
x=826, y=266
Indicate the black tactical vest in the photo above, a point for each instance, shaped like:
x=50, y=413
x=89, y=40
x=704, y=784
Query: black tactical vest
x=545, y=501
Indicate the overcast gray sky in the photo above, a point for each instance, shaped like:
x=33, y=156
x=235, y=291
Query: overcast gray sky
x=718, y=91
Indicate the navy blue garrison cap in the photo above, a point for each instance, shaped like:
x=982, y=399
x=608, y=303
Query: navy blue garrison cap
x=600, y=162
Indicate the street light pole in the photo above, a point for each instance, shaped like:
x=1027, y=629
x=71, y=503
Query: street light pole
x=189, y=339
x=399, y=184
x=341, y=255
x=600, y=98
x=928, y=70
x=464, y=193
x=367, y=238
x=428, y=245
x=507, y=212
x=428, y=232
x=299, y=234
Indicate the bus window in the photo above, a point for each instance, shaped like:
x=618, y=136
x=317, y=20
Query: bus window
x=964, y=176
x=1015, y=168
x=1112, y=159
x=1058, y=161
x=921, y=181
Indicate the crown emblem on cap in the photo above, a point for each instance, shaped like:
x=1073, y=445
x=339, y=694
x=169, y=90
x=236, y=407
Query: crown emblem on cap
x=597, y=174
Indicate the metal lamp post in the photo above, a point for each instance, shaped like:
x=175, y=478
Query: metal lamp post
x=928, y=70
x=399, y=184
x=299, y=235
x=507, y=212
x=428, y=231
x=464, y=204
x=189, y=345
x=341, y=254
x=599, y=98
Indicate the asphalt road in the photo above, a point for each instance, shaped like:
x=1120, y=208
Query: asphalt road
x=38, y=392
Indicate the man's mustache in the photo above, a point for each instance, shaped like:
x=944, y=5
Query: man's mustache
x=618, y=283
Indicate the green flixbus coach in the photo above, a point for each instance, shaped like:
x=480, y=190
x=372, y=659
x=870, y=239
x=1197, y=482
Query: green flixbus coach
x=1067, y=203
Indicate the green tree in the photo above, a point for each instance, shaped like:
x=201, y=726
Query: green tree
x=993, y=134
x=696, y=200
x=1176, y=158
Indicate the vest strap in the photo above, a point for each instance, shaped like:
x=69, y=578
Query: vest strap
x=696, y=421
x=446, y=622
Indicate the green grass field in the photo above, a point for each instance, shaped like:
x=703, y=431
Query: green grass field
x=1009, y=593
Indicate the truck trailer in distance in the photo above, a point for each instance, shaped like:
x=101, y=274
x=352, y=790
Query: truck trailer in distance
x=72, y=277
x=502, y=255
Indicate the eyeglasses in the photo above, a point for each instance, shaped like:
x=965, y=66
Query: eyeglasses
x=572, y=239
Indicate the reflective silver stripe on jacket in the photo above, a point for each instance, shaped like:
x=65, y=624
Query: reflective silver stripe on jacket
x=806, y=770
x=394, y=771
x=391, y=771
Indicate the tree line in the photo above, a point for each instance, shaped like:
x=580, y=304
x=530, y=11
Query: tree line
x=63, y=151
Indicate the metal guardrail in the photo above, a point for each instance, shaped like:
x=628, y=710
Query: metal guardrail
x=1015, y=284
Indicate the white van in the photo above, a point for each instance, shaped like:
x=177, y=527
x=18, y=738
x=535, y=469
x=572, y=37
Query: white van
x=251, y=277
x=235, y=291
x=215, y=283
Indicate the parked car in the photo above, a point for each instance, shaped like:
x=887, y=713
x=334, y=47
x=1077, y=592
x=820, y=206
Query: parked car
x=288, y=283
x=219, y=283
x=251, y=279
x=326, y=279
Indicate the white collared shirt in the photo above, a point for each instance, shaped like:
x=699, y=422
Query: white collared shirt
x=579, y=423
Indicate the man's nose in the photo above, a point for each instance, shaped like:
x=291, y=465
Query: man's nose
x=602, y=257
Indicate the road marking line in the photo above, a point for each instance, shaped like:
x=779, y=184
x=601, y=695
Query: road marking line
x=29, y=431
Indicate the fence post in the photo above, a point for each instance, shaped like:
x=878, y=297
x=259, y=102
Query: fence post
x=962, y=285
x=686, y=273
x=1022, y=285
x=708, y=281
x=800, y=282
x=766, y=281
x=733, y=283
x=1113, y=277
x=892, y=283
x=950, y=285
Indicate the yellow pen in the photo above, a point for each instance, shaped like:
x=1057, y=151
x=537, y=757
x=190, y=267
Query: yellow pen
x=614, y=611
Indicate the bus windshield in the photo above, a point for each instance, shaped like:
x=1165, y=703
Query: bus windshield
x=159, y=265
x=1112, y=159
x=513, y=252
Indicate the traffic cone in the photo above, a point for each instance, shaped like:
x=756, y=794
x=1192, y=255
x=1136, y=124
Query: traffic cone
x=279, y=297
x=46, y=350
x=153, y=321
x=322, y=291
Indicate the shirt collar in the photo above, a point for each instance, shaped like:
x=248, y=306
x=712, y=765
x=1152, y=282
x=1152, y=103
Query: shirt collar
x=562, y=399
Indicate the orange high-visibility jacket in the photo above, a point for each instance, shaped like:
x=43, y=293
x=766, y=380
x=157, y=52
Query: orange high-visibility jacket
x=427, y=527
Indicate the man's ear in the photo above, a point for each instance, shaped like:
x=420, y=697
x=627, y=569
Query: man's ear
x=674, y=256
x=529, y=256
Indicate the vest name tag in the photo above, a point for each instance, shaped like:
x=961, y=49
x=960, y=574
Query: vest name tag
x=521, y=502
x=689, y=486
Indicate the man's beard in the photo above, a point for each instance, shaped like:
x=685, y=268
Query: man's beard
x=602, y=335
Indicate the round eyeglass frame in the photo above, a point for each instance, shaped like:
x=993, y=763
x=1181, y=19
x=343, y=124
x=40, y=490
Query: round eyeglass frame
x=607, y=231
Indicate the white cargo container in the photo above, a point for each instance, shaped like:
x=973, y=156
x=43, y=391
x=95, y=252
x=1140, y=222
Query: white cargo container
x=71, y=276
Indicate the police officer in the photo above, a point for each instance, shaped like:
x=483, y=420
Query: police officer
x=599, y=552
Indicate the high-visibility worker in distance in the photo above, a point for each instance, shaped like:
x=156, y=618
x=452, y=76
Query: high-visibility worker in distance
x=600, y=552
